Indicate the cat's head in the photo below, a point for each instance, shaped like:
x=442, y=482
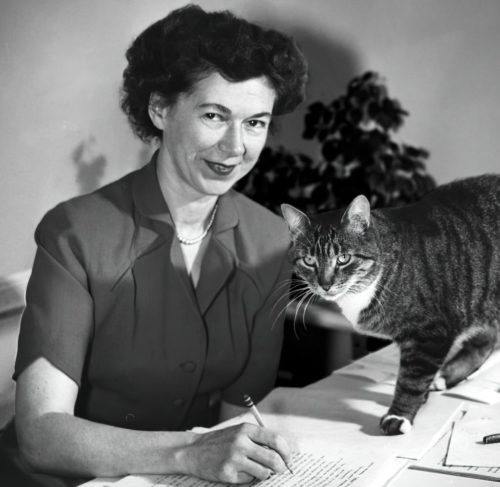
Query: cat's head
x=334, y=255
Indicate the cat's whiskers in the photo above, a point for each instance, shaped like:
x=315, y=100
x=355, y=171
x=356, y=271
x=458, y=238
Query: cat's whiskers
x=299, y=295
x=305, y=294
x=298, y=284
x=291, y=285
x=304, y=308
x=312, y=297
x=299, y=288
x=284, y=308
x=286, y=283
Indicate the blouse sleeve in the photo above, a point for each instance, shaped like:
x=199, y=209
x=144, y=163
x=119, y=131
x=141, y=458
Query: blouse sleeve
x=57, y=323
x=259, y=376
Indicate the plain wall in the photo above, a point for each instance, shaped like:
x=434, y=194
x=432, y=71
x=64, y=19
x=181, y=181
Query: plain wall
x=62, y=132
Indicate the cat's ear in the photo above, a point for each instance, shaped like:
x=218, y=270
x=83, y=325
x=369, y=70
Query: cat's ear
x=296, y=220
x=357, y=215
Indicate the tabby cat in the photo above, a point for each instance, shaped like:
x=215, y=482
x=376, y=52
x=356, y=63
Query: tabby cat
x=425, y=275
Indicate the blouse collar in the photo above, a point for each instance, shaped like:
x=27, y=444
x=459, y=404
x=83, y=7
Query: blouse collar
x=151, y=203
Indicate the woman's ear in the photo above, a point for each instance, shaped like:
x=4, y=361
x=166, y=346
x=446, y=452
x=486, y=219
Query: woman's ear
x=157, y=110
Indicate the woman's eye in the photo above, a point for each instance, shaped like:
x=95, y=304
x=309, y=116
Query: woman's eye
x=343, y=259
x=257, y=124
x=309, y=261
x=213, y=116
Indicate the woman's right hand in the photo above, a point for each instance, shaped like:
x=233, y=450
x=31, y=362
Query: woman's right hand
x=238, y=454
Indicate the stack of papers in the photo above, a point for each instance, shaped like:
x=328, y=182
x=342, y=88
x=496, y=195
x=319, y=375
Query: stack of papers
x=462, y=451
x=466, y=447
x=308, y=469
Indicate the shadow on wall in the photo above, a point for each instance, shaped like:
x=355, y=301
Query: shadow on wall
x=90, y=165
x=332, y=64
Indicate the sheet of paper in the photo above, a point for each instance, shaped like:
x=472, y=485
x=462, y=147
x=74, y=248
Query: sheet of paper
x=466, y=447
x=433, y=461
x=344, y=412
x=308, y=469
x=413, y=477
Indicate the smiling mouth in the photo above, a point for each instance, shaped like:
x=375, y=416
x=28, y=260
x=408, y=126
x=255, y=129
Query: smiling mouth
x=220, y=169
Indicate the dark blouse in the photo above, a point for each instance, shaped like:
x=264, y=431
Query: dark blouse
x=109, y=303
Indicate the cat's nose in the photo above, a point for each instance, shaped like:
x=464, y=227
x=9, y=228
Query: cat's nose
x=326, y=286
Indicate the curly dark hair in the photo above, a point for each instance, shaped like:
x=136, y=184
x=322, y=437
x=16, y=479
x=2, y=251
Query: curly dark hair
x=176, y=52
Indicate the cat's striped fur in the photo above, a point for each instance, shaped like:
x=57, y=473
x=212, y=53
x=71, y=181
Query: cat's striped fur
x=426, y=275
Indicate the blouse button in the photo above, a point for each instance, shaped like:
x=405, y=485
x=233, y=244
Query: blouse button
x=179, y=402
x=188, y=366
x=129, y=418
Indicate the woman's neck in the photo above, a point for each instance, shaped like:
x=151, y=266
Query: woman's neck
x=190, y=210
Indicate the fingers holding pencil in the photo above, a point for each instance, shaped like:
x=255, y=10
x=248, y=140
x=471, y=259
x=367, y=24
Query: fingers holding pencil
x=235, y=454
x=277, y=443
x=271, y=449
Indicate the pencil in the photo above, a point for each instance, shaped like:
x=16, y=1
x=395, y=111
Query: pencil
x=253, y=409
x=494, y=438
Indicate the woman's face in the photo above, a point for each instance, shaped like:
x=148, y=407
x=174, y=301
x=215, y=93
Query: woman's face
x=213, y=136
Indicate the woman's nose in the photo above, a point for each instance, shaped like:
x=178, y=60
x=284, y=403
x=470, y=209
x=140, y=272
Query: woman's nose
x=232, y=142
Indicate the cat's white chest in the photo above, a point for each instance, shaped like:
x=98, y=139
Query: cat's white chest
x=352, y=304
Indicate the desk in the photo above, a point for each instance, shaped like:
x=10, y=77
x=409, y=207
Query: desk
x=347, y=406
x=382, y=366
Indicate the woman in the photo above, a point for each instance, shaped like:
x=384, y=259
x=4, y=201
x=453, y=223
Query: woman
x=150, y=309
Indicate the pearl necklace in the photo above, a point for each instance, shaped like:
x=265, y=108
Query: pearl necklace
x=192, y=241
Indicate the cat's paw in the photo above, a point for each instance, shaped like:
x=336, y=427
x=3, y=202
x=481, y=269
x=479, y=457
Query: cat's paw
x=438, y=383
x=391, y=424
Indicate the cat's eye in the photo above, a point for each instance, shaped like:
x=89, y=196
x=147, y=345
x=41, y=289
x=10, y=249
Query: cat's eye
x=343, y=259
x=309, y=261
